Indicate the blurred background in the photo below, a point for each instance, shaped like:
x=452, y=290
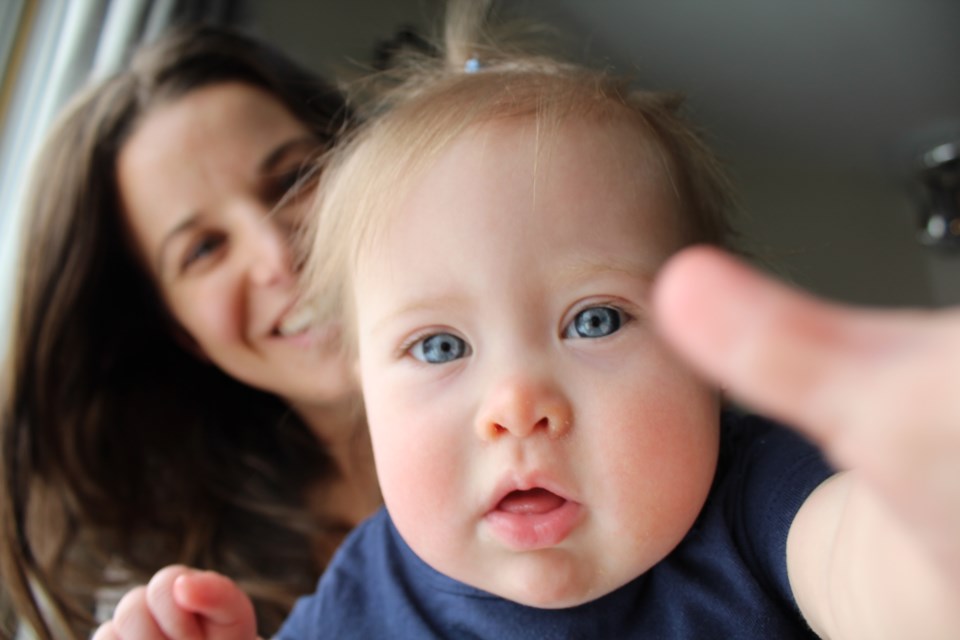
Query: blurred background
x=825, y=110
x=822, y=109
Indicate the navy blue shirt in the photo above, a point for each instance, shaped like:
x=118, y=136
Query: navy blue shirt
x=726, y=579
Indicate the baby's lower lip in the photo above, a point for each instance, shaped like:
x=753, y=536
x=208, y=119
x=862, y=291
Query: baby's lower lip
x=532, y=519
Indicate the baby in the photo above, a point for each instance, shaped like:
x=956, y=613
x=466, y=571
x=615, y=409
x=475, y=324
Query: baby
x=549, y=467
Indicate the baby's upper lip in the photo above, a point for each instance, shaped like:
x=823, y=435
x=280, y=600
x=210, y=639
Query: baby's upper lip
x=524, y=482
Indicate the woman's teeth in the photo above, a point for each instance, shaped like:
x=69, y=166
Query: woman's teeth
x=296, y=322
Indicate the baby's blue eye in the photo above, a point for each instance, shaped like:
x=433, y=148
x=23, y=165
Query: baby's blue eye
x=595, y=322
x=439, y=348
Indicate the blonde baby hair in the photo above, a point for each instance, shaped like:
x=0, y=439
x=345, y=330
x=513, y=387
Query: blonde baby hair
x=415, y=110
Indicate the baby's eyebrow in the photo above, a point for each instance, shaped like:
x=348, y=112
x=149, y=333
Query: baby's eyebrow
x=427, y=303
x=570, y=274
x=585, y=269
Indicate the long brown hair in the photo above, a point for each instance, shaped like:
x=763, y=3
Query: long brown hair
x=119, y=448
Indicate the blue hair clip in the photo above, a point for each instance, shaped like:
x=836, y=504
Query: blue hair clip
x=472, y=65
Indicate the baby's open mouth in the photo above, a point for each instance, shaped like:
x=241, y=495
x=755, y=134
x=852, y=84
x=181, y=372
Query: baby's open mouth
x=530, y=519
x=530, y=502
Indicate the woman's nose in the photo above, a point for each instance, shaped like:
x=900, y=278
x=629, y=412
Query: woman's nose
x=522, y=405
x=270, y=257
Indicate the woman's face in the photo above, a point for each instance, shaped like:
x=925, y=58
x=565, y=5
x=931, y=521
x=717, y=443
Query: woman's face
x=200, y=180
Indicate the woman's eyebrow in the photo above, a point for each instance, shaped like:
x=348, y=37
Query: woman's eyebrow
x=421, y=304
x=305, y=142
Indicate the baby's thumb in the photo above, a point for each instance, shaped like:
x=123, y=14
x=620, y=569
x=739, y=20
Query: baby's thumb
x=223, y=610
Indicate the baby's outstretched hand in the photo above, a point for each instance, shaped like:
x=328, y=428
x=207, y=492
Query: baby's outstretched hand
x=183, y=604
x=876, y=390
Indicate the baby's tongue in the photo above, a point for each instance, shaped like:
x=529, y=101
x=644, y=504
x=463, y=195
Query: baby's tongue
x=532, y=501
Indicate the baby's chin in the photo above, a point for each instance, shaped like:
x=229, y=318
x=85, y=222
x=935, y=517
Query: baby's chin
x=560, y=587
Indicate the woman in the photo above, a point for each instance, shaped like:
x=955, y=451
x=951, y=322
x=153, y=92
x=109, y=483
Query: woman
x=165, y=400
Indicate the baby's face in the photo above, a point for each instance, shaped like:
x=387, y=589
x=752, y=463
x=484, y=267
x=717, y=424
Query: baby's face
x=533, y=436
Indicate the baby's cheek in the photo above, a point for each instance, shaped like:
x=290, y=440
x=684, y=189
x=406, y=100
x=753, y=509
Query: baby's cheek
x=416, y=467
x=661, y=448
x=425, y=499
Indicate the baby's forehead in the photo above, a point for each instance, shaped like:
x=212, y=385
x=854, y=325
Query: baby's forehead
x=535, y=156
x=557, y=177
x=396, y=153
x=622, y=143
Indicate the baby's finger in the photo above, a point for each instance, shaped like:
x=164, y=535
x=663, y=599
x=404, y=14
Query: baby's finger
x=105, y=632
x=225, y=612
x=132, y=619
x=174, y=620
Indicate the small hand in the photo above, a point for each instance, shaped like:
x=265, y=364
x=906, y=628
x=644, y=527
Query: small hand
x=182, y=604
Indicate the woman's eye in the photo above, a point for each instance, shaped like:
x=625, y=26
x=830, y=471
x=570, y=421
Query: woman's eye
x=200, y=249
x=439, y=348
x=595, y=322
x=286, y=195
x=281, y=186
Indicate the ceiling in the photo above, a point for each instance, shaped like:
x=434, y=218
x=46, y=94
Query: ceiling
x=860, y=85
